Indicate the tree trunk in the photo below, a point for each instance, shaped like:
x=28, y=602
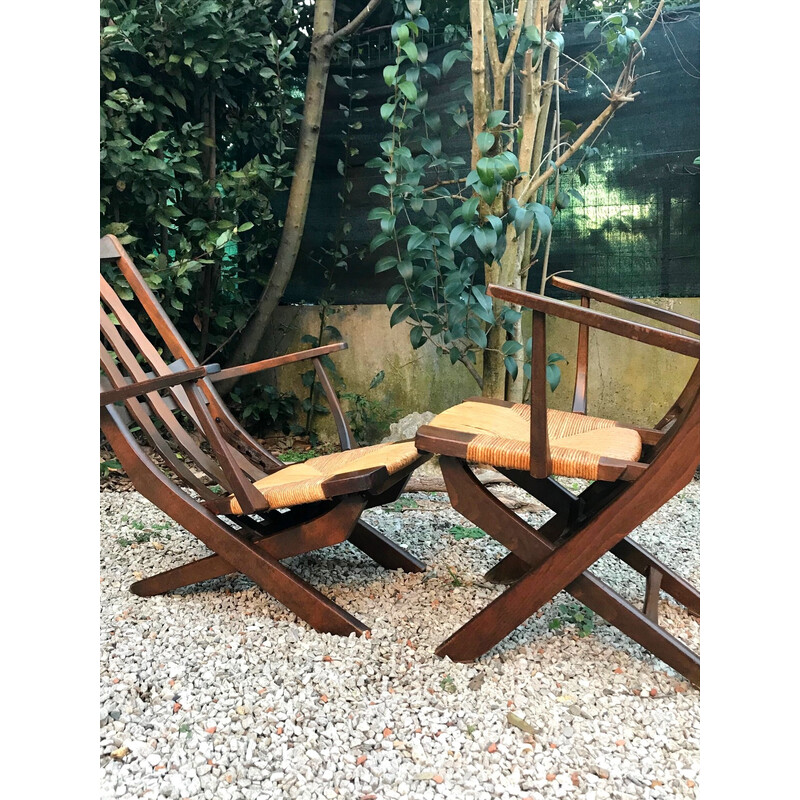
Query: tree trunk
x=323, y=39
x=305, y=159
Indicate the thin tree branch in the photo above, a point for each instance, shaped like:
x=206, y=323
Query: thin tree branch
x=357, y=22
x=509, y=59
x=652, y=21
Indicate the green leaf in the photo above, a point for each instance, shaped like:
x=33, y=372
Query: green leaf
x=409, y=90
x=507, y=165
x=389, y=73
x=245, y=226
x=406, y=269
x=476, y=333
x=432, y=146
x=496, y=223
x=414, y=6
x=554, y=357
x=511, y=366
x=417, y=336
x=589, y=27
x=553, y=376
x=403, y=34
x=387, y=262
x=485, y=141
x=532, y=32
x=462, y=532
x=542, y=214
x=487, y=191
x=469, y=208
x=387, y=109
x=486, y=170
x=450, y=59
x=417, y=240
x=485, y=238
x=378, y=240
x=557, y=39
x=399, y=314
x=393, y=294
x=510, y=347
x=410, y=49
x=495, y=118
x=460, y=233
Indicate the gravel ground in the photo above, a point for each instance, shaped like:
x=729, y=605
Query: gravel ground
x=218, y=691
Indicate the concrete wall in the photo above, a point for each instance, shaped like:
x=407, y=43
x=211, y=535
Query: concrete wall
x=628, y=381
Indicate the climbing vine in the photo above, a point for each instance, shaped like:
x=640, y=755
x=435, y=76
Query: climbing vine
x=447, y=225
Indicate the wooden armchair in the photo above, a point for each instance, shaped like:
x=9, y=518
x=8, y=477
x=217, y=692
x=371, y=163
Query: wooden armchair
x=633, y=470
x=197, y=464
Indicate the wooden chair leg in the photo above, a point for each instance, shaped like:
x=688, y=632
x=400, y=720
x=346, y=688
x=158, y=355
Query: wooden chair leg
x=512, y=567
x=651, y=592
x=263, y=569
x=514, y=607
x=634, y=555
x=330, y=527
x=544, y=580
x=382, y=549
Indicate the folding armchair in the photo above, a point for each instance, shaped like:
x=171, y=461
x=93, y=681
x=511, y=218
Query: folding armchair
x=194, y=461
x=633, y=472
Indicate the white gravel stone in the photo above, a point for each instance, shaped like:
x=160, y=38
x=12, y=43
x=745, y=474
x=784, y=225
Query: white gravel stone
x=222, y=687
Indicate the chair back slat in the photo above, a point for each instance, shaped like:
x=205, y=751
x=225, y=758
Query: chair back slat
x=179, y=399
x=141, y=415
x=145, y=346
x=156, y=402
x=236, y=459
x=178, y=347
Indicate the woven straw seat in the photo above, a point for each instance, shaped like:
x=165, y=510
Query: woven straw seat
x=303, y=483
x=503, y=437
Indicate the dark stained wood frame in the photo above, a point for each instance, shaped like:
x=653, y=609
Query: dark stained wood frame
x=191, y=425
x=558, y=555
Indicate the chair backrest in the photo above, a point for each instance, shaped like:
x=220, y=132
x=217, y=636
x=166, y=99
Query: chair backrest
x=684, y=323
x=189, y=430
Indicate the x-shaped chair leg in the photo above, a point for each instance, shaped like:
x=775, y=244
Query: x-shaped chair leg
x=232, y=547
x=571, y=509
x=554, y=568
x=329, y=527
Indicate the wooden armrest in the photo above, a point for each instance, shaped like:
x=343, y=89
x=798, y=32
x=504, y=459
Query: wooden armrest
x=634, y=306
x=153, y=384
x=676, y=342
x=270, y=363
x=361, y=480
